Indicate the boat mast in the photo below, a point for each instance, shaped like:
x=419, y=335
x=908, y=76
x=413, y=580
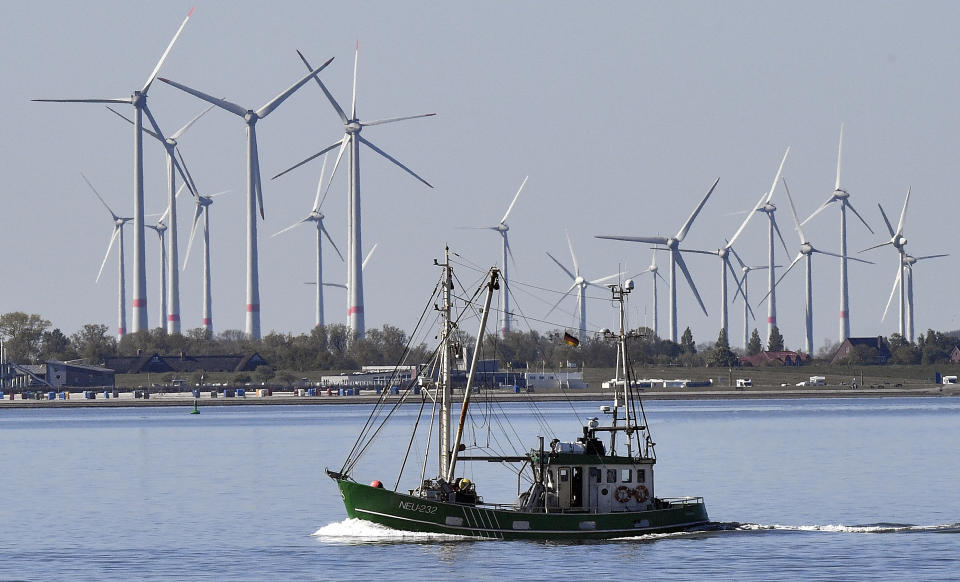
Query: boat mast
x=491, y=287
x=446, y=395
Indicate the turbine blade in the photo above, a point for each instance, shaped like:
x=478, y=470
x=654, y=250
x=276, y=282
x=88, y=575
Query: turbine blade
x=793, y=211
x=336, y=164
x=777, y=177
x=193, y=232
x=896, y=283
x=776, y=227
x=886, y=221
x=559, y=301
x=273, y=104
x=309, y=159
x=903, y=213
x=836, y=185
x=292, y=226
x=392, y=159
x=514, y=201
x=686, y=226
x=119, y=100
x=221, y=103
x=559, y=264
x=186, y=176
x=356, y=59
x=576, y=266
x=743, y=225
x=393, y=119
x=736, y=278
x=256, y=174
x=686, y=273
x=366, y=259
x=780, y=278
x=340, y=285
x=130, y=121
x=883, y=244
x=506, y=243
x=336, y=106
x=323, y=171
x=823, y=206
x=99, y=197
x=324, y=230
x=657, y=240
x=156, y=128
x=153, y=75
x=736, y=256
x=850, y=206
x=182, y=130
x=932, y=256
x=596, y=282
x=116, y=231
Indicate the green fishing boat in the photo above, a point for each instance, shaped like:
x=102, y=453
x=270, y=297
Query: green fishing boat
x=599, y=485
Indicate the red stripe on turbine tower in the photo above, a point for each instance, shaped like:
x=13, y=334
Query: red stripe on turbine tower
x=253, y=307
x=353, y=310
x=139, y=302
x=173, y=317
x=207, y=321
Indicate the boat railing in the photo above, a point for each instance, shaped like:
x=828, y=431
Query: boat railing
x=683, y=500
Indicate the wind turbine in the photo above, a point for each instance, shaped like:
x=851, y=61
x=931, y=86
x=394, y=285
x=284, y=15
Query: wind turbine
x=767, y=207
x=170, y=295
x=502, y=228
x=743, y=289
x=580, y=284
x=843, y=197
x=653, y=270
x=118, y=223
x=897, y=241
x=351, y=140
x=317, y=217
x=908, y=262
x=202, y=204
x=676, y=260
x=363, y=267
x=254, y=190
x=161, y=229
x=806, y=252
x=139, y=101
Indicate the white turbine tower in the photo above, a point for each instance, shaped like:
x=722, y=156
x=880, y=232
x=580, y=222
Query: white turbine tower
x=351, y=140
x=363, y=267
x=254, y=199
x=676, y=260
x=317, y=217
x=139, y=102
x=118, y=223
x=806, y=252
x=202, y=204
x=170, y=295
x=580, y=284
x=843, y=197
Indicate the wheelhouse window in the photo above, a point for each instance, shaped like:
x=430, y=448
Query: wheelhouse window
x=626, y=475
x=595, y=474
x=611, y=475
x=564, y=474
x=641, y=476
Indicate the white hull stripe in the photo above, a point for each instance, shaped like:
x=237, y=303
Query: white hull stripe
x=549, y=531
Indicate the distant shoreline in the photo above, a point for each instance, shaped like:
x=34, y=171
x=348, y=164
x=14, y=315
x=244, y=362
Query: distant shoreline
x=185, y=399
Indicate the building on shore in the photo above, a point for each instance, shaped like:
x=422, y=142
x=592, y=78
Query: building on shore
x=56, y=375
x=783, y=358
x=875, y=347
x=184, y=363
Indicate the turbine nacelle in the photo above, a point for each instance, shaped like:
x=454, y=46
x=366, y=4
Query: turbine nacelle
x=840, y=194
x=353, y=126
x=898, y=241
x=806, y=248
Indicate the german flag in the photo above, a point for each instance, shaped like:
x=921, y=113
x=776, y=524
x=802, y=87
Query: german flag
x=570, y=340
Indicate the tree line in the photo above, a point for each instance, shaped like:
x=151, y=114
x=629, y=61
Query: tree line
x=29, y=338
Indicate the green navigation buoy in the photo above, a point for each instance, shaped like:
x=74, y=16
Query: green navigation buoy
x=195, y=409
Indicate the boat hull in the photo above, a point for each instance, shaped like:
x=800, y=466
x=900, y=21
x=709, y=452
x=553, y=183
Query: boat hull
x=409, y=513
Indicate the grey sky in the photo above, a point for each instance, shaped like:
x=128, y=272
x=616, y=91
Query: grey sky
x=622, y=115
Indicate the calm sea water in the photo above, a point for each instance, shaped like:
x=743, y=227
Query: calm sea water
x=800, y=489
